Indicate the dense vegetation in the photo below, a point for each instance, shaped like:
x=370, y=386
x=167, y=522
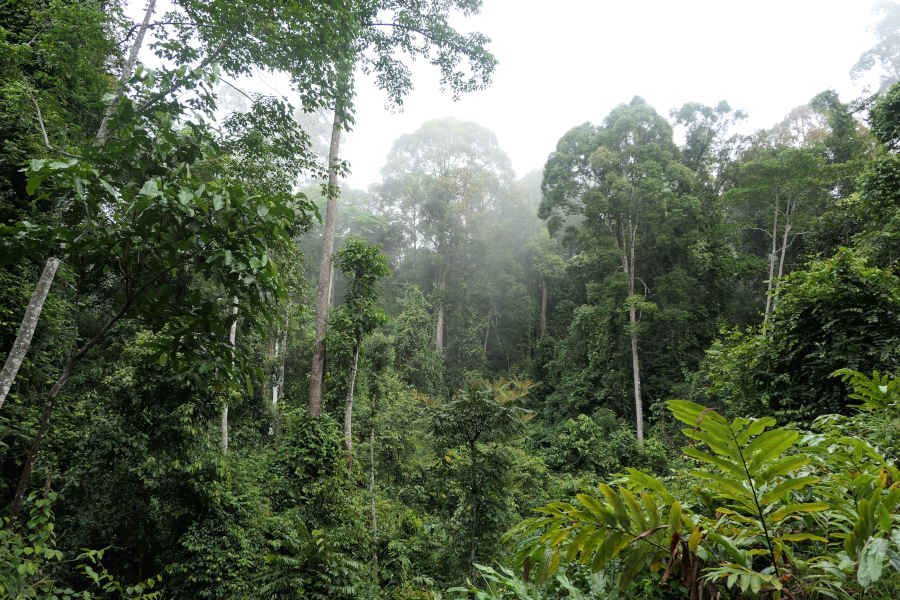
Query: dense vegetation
x=228, y=377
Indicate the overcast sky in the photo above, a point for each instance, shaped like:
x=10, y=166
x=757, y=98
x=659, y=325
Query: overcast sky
x=564, y=62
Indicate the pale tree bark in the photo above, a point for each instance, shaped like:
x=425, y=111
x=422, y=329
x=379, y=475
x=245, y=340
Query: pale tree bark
x=326, y=269
x=439, y=325
x=630, y=267
x=232, y=338
x=127, y=72
x=279, y=386
x=52, y=396
x=348, y=409
x=372, y=484
x=27, y=328
x=29, y=322
x=785, y=236
x=543, y=328
x=772, y=256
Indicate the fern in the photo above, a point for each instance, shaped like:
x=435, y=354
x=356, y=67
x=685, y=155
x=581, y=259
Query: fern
x=776, y=512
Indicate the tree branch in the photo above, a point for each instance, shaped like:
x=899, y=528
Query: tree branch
x=40, y=119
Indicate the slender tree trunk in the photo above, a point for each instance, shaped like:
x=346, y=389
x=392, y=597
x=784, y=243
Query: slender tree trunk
x=473, y=491
x=326, y=268
x=439, y=326
x=232, y=338
x=27, y=328
x=785, y=236
x=284, y=335
x=630, y=266
x=636, y=370
x=127, y=72
x=772, y=255
x=50, y=403
x=29, y=322
x=543, y=328
x=348, y=409
x=372, y=485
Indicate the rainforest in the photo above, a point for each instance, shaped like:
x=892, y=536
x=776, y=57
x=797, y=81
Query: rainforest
x=662, y=362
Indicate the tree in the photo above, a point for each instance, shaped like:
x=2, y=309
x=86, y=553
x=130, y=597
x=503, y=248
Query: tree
x=416, y=30
x=791, y=180
x=478, y=418
x=769, y=513
x=418, y=362
x=884, y=57
x=172, y=225
x=836, y=313
x=236, y=37
x=359, y=315
x=621, y=178
x=449, y=185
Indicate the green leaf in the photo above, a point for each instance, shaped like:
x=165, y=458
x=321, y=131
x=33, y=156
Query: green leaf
x=262, y=210
x=785, y=486
x=792, y=509
x=802, y=537
x=871, y=562
x=783, y=467
x=150, y=189
x=721, y=462
x=675, y=516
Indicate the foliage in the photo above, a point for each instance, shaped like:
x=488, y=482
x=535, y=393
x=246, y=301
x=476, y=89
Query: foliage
x=768, y=513
x=470, y=431
x=360, y=314
x=601, y=444
x=30, y=562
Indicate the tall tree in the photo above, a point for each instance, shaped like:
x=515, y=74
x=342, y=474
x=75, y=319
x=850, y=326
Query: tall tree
x=884, y=57
x=451, y=175
x=390, y=30
x=789, y=183
x=621, y=178
x=359, y=315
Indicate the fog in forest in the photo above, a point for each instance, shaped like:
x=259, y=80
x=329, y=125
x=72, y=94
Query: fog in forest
x=409, y=300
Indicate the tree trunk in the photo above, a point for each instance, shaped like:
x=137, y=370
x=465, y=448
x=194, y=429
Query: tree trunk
x=232, y=337
x=473, y=498
x=348, y=409
x=372, y=485
x=636, y=371
x=279, y=386
x=26, y=329
x=74, y=359
x=771, y=265
x=439, y=326
x=788, y=225
x=127, y=72
x=326, y=267
x=630, y=266
x=29, y=321
x=543, y=328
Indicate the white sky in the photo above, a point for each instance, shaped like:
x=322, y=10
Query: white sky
x=564, y=62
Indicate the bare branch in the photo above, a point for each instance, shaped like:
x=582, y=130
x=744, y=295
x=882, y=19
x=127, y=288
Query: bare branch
x=40, y=119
